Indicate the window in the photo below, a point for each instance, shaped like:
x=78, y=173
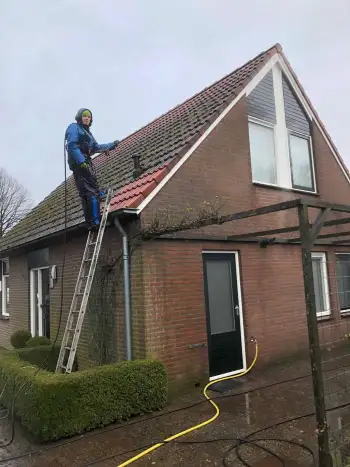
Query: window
x=343, y=280
x=5, y=290
x=262, y=150
x=279, y=136
x=300, y=161
x=319, y=269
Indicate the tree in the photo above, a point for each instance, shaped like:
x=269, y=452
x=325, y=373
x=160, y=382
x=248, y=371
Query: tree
x=15, y=202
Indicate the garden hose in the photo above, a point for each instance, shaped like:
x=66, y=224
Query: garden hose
x=200, y=425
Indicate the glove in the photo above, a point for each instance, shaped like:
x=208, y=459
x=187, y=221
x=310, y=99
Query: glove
x=83, y=165
x=102, y=194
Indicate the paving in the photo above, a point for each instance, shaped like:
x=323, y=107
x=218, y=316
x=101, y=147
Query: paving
x=256, y=402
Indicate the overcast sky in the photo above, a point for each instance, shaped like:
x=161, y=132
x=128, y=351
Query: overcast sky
x=131, y=61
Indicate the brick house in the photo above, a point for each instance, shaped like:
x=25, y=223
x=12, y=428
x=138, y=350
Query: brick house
x=251, y=139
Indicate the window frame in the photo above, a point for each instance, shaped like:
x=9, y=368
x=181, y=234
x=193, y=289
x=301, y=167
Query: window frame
x=309, y=143
x=325, y=283
x=4, y=286
x=284, y=176
x=339, y=254
x=271, y=126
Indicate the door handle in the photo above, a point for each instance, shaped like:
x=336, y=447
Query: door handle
x=237, y=310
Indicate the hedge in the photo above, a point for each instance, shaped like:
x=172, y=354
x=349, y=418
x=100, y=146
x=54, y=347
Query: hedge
x=37, y=355
x=20, y=338
x=38, y=340
x=54, y=406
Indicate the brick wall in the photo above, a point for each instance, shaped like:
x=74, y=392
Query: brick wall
x=18, y=306
x=105, y=325
x=273, y=304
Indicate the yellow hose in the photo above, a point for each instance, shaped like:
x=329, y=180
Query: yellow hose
x=200, y=425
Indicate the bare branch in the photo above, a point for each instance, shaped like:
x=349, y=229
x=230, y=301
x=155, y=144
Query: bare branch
x=15, y=202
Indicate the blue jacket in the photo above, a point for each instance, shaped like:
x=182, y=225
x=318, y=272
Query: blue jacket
x=81, y=145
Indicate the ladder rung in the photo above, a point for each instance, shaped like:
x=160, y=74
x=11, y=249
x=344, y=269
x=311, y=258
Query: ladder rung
x=92, y=243
x=67, y=348
x=87, y=260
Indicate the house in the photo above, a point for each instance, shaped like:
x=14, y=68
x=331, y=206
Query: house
x=249, y=140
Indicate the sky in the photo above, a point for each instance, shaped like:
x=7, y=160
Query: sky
x=129, y=62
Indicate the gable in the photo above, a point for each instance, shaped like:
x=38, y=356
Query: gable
x=298, y=119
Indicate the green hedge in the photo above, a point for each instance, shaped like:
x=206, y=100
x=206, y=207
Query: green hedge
x=37, y=355
x=20, y=338
x=53, y=406
x=38, y=340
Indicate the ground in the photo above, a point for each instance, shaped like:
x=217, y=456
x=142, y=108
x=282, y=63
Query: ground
x=269, y=401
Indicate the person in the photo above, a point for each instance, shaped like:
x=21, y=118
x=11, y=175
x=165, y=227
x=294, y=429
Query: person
x=81, y=145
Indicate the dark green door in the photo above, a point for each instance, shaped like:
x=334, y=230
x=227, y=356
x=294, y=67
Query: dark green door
x=223, y=313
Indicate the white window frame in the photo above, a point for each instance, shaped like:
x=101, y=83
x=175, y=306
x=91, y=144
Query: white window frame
x=344, y=253
x=325, y=286
x=34, y=300
x=282, y=149
x=272, y=126
x=4, y=284
x=309, y=141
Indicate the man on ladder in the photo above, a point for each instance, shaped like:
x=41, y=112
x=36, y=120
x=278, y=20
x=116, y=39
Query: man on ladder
x=81, y=145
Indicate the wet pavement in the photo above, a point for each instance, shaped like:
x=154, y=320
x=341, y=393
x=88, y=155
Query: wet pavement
x=240, y=416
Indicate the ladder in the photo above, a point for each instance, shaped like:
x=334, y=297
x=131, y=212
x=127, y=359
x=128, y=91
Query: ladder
x=81, y=294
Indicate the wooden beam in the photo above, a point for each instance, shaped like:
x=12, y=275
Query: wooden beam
x=318, y=224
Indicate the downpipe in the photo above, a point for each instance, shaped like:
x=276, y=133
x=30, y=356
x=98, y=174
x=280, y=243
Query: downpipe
x=127, y=293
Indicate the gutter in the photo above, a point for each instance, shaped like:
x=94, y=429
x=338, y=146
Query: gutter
x=24, y=246
x=127, y=293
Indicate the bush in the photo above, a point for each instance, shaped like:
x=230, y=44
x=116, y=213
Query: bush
x=53, y=406
x=37, y=355
x=20, y=338
x=38, y=340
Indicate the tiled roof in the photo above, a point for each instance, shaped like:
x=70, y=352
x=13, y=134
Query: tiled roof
x=159, y=144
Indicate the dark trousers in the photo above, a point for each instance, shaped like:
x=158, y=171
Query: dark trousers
x=89, y=192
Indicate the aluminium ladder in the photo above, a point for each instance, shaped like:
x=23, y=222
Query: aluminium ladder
x=81, y=294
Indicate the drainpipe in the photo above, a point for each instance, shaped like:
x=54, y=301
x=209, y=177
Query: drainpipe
x=127, y=294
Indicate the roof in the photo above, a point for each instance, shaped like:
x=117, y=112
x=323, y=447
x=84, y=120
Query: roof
x=160, y=144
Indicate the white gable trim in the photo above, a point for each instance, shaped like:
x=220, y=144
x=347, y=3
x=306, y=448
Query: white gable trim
x=277, y=58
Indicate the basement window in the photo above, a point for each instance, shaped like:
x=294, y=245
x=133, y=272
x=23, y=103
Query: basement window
x=5, y=290
x=343, y=280
x=320, y=276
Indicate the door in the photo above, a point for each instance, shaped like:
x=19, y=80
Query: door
x=40, y=302
x=223, y=310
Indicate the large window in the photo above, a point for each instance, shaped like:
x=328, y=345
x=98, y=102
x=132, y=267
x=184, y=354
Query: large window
x=5, y=289
x=343, y=280
x=320, y=276
x=262, y=150
x=279, y=137
x=300, y=161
